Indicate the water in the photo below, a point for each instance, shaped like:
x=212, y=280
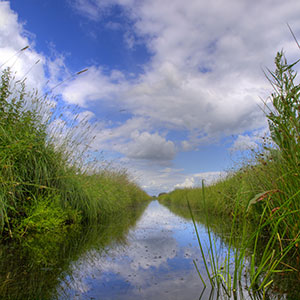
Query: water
x=155, y=263
x=142, y=254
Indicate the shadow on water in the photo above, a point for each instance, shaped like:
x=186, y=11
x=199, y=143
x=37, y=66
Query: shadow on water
x=37, y=267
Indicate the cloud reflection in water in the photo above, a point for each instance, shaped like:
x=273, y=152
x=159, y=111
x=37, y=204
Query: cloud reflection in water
x=156, y=262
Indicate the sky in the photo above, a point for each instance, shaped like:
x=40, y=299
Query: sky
x=174, y=89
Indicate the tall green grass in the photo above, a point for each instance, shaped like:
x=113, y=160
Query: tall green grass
x=42, y=186
x=226, y=271
x=266, y=191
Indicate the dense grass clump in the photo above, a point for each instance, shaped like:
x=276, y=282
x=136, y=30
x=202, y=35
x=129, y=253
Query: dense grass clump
x=218, y=197
x=40, y=189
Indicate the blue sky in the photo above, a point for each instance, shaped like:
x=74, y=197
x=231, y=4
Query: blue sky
x=173, y=89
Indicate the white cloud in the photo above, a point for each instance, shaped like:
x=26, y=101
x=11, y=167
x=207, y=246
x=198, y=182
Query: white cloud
x=188, y=182
x=204, y=75
x=244, y=142
x=155, y=178
x=150, y=146
x=92, y=9
x=204, y=78
x=195, y=180
x=117, y=137
x=251, y=141
x=24, y=64
x=17, y=51
x=92, y=86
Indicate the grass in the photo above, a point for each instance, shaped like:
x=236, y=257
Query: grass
x=265, y=191
x=45, y=185
x=226, y=271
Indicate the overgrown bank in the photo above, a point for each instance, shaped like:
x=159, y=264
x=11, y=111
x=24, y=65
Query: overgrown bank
x=41, y=188
x=271, y=180
x=265, y=191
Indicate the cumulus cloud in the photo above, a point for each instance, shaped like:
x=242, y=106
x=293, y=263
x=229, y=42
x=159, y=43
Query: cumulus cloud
x=13, y=37
x=195, y=180
x=156, y=178
x=108, y=137
x=92, y=86
x=203, y=79
x=17, y=51
x=188, y=182
x=204, y=76
x=251, y=141
x=150, y=146
x=93, y=9
x=245, y=142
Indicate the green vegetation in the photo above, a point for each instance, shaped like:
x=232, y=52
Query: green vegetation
x=265, y=191
x=43, y=186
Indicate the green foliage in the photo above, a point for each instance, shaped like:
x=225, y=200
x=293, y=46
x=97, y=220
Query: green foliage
x=219, y=198
x=272, y=178
x=284, y=115
x=46, y=214
x=265, y=191
x=41, y=188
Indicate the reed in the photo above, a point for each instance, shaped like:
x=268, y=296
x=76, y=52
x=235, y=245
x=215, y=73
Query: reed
x=44, y=184
x=225, y=271
x=264, y=191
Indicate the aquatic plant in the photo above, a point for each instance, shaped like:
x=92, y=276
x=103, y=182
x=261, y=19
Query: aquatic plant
x=225, y=271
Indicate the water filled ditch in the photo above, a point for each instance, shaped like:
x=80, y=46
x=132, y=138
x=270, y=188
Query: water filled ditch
x=155, y=262
x=143, y=254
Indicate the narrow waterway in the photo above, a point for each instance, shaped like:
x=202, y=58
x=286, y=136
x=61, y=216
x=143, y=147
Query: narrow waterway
x=155, y=262
x=145, y=253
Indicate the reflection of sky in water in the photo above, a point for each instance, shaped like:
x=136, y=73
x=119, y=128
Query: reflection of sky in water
x=156, y=263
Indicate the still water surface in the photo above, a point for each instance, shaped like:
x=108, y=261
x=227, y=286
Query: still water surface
x=155, y=262
x=144, y=253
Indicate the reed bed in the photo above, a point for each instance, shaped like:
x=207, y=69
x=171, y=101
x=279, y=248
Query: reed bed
x=44, y=181
x=264, y=191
